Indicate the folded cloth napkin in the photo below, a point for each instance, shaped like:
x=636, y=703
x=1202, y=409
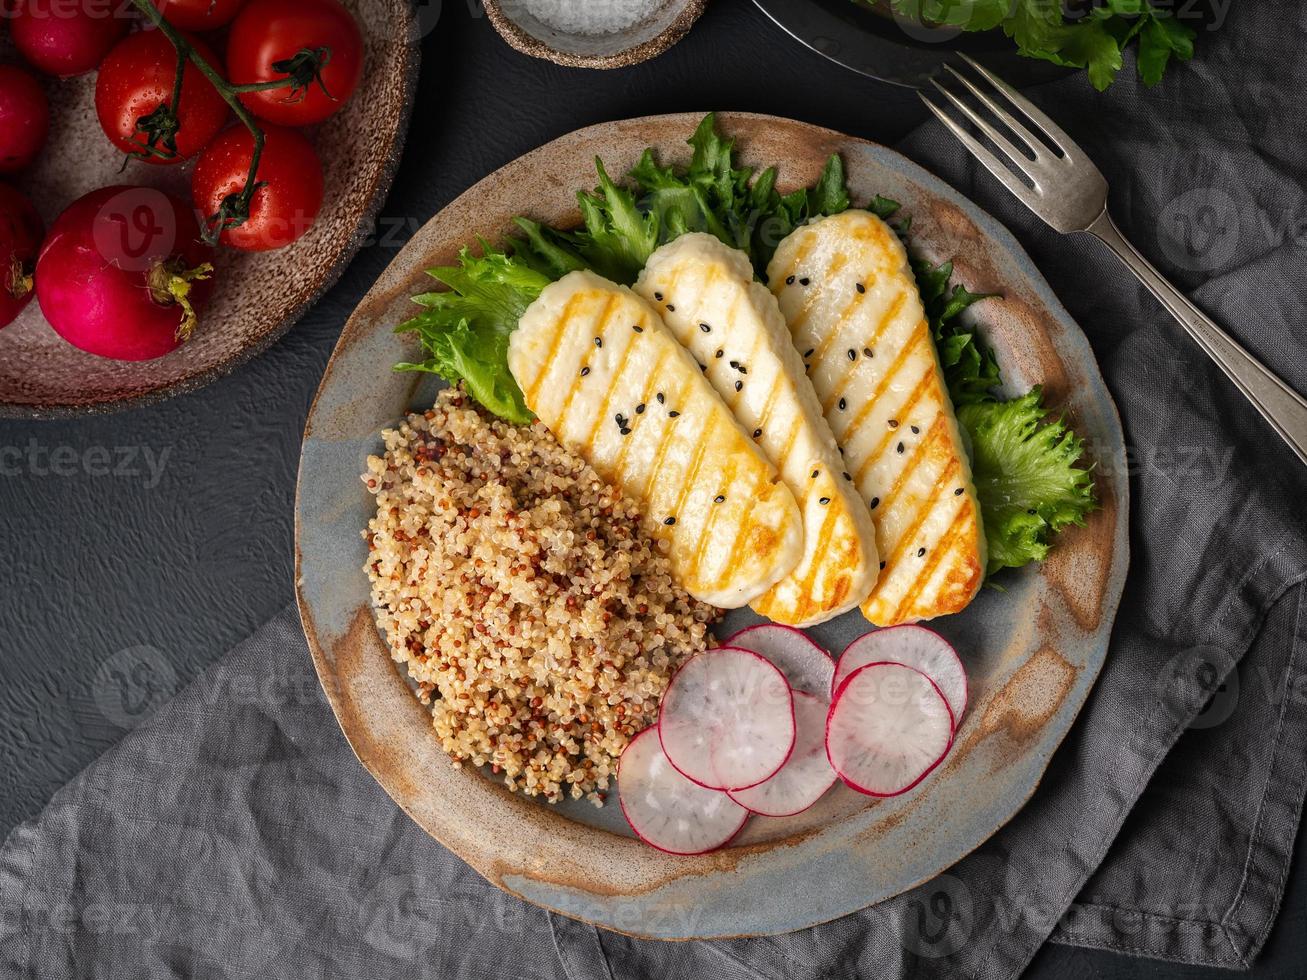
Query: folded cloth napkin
x=233, y=834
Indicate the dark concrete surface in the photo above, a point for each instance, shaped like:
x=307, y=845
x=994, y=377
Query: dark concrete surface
x=170, y=527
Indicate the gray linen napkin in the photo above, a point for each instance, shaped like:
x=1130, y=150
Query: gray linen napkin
x=233, y=834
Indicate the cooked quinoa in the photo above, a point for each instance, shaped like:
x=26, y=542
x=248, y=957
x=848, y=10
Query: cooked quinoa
x=536, y=617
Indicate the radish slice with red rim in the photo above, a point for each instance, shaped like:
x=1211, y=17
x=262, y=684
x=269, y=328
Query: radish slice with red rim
x=727, y=719
x=806, y=777
x=668, y=811
x=889, y=726
x=807, y=666
x=913, y=646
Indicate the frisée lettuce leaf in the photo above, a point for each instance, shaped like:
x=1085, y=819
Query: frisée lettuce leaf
x=1029, y=472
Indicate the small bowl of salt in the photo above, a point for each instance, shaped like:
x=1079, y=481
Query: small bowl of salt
x=593, y=33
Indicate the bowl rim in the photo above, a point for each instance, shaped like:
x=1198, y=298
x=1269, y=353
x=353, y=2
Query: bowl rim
x=525, y=43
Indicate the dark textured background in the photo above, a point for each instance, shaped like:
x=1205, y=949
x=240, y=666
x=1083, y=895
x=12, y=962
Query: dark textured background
x=101, y=563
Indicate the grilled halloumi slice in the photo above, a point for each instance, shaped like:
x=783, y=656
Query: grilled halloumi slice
x=600, y=369
x=848, y=294
x=711, y=303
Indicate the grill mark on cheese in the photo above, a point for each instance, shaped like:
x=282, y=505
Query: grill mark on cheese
x=846, y=314
x=668, y=437
x=860, y=416
x=646, y=396
x=801, y=252
x=923, y=511
x=575, y=385
x=816, y=290
x=881, y=327
x=938, y=428
x=691, y=473
x=738, y=543
x=540, y=376
x=889, y=435
x=942, y=548
x=705, y=534
x=618, y=369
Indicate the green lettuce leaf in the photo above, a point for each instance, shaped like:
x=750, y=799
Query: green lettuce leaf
x=1094, y=39
x=1028, y=477
x=464, y=329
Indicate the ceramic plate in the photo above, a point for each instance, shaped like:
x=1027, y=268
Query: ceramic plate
x=258, y=296
x=1033, y=650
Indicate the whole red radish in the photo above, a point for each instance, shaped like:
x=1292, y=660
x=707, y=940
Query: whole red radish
x=133, y=98
x=67, y=37
x=20, y=238
x=276, y=39
x=198, y=15
x=123, y=273
x=24, y=119
x=289, y=183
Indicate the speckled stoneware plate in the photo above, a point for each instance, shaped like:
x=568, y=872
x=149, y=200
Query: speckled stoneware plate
x=1033, y=650
x=258, y=296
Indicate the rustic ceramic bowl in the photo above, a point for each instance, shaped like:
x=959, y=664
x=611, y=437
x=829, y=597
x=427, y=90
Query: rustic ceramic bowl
x=1032, y=650
x=258, y=296
x=647, y=39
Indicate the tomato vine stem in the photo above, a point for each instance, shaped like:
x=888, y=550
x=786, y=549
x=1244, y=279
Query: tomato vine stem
x=235, y=208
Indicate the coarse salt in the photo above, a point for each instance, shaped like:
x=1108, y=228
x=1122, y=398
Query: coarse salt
x=592, y=16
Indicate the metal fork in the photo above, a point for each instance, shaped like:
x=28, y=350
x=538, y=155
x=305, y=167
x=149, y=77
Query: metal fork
x=1069, y=193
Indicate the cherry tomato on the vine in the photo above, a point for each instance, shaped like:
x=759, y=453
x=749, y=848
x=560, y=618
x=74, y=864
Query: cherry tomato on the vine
x=134, y=90
x=274, y=39
x=66, y=37
x=24, y=118
x=198, y=15
x=290, y=186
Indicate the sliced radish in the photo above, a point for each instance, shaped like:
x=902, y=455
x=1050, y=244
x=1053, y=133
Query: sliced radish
x=804, y=779
x=727, y=719
x=913, y=646
x=889, y=726
x=805, y=665
x=668, y=811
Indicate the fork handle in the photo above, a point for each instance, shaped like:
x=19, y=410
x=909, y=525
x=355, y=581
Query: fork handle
x=1279, y=404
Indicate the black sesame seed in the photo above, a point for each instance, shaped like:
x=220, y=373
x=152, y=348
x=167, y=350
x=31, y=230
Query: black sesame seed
x=719, y=353
x=670, y=521
x=920, y=552
x=893, y=423
x=703, y=367
x=875, y=502
x=804, y=281
x=789, y=280
x=808, y=352
x=757, y=433
x=585, y=371
x=843, y=404
x=673, y=414
x=846, y=476
x=957, y=492
x=638, y=329
x=705, y=328
x=853, y=355
x=824, y=501
x=660, y=398
x=742, y=369
x=639, y=409
x=916, y=431
x=624, y=431
x=861, y=288
x=671, y=308
x=899, y=448
x=814, y=473
x=658, y=297
x=868, y=352
x=718, y=499
x=599, y=341
x=618, y=418
x=735, y=364
x=739, y=385
x=882, y=566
